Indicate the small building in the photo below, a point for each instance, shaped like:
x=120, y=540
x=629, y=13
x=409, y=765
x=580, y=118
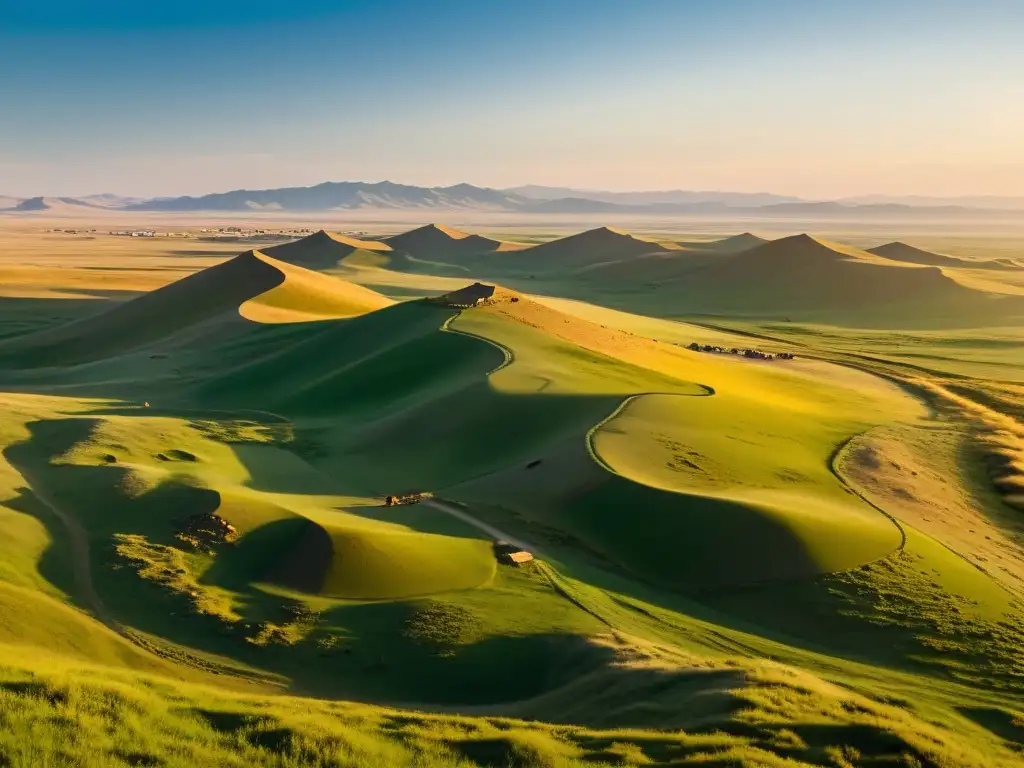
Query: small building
x=515, y=558
x=405, y=498
x=475, y=295
x=508, y=553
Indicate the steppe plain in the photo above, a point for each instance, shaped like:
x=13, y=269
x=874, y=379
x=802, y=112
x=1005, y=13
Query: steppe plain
x=737, y=560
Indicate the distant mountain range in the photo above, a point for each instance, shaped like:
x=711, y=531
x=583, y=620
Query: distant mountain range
x=667, y=197
x=386, y=195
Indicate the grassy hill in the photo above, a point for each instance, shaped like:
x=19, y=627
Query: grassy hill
x=323, y=250
x=801, y=277
x=732, y=244
x=912, y=255
x=721, y=577
x=594, y=246
x=252, y=285
x=437, y=240
x=802, y=271
x=671, y=456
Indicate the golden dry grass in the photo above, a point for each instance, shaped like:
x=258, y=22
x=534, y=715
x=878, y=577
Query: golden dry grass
x=911, y=471
x=305, y=295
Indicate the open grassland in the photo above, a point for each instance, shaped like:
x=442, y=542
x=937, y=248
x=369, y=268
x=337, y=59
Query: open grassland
x=777, y=717
x=739, y=561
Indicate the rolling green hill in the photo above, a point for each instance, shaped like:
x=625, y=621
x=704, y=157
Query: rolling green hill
x=912, y=255
x=689, y=462
x=252, y=286
x=200, y=568
x=732, y=244
x=800, y=277
x=323, y=250
x=595, y=246
x=437, y=240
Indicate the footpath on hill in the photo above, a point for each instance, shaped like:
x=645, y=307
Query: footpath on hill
x=79, y=554
x=490, y=530
x=82, y=570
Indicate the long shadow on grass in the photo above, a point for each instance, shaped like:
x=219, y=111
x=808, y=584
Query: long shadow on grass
x=54, y=563
x=1003, y=723
x=380, y=661
x=21, y=316
x=261, y=555
x=479, y=429
x=375, y=659
x=31, y=457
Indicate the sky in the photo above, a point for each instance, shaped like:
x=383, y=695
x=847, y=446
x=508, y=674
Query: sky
x=816, y=98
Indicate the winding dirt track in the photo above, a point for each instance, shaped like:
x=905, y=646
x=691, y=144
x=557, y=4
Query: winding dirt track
x=82, y=570
x=709, y=391
x=508, y=353
x=79, y=555
x=490, y=530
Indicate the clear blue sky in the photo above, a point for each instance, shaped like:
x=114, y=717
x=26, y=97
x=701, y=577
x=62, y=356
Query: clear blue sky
x=808, y=97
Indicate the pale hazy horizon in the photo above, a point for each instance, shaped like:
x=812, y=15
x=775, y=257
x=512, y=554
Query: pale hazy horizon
x=814, y=100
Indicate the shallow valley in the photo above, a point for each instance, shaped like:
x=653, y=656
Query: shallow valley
x=261, y=499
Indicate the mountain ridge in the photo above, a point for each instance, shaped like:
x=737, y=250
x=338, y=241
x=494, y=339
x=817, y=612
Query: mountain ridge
x=530, y=199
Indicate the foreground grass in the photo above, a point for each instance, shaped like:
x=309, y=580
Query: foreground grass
x=734, y=713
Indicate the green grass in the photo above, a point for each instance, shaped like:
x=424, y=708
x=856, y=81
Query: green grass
x=985, y=353
x=709, y=592
x=735, y=487
x=719, y=713
x=924, y=609
x=219, y=603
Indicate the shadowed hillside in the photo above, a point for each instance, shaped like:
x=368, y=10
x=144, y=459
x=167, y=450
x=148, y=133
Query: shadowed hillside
x=323, y=250
x=801, y=276
x=594, y=246
x=252, y=285
x=504, y=505
x=803, y=272
x=912, y=255
x=436, y=241
x=733, y=244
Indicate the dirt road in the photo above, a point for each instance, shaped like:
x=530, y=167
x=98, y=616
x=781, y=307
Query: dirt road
x=490, y=530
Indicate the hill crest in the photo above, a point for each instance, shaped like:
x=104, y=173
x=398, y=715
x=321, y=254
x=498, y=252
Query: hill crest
x=740, y=242
x=594, y=246
x=805, y=246
x=322, y=249
x=911, y=254
x=252, y=286
x=439, y=240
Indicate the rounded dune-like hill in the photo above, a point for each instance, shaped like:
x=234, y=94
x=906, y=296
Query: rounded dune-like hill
x=643, y=264
x=323, y=250
x=251, y=285
x=368, y=560
x=910, y=254
x=732, y=244
x=728, y=496
x=721, y=507
x=500, y=302
x=666, y=265
x=803, y=272
x=437, y=241
x=595, y=246
x=305, y=295
x=741, y=242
